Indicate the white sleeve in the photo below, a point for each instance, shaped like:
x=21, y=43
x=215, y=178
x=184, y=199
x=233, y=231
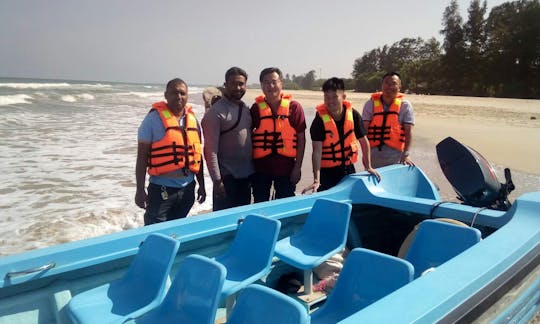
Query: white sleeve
x=406, y=113
x=367, y=112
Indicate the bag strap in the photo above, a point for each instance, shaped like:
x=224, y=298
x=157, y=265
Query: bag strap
x=237, y=121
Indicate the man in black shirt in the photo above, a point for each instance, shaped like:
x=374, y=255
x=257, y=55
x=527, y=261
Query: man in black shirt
x=336, y=133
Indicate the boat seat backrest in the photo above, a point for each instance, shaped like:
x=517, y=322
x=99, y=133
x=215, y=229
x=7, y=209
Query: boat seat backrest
x=254, y=243
x=436, y=242
x=262, y=305
x=153, y=257
x=194, y=295
x=141, y=289
x=366, y=277
x=327, y=221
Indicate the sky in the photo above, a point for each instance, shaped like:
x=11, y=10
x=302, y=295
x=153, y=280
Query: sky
x=153, y=41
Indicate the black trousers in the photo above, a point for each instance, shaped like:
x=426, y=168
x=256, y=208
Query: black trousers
x=177, y=204
x=237, y=193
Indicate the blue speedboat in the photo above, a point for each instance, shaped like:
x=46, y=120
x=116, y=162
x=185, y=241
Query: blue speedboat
x=493, y=278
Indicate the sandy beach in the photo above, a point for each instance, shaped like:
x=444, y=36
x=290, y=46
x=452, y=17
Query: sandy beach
x=505, y=131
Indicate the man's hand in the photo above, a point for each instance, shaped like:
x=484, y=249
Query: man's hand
x=219, y=188
x=141, y=199
x=296, y=174
x=201, y=195
x=375, y=173
x=313, y=187
x=406, y=160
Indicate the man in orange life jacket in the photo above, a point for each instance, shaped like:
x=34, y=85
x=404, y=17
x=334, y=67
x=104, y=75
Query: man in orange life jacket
x=336, y=133
x=389, y=120
x=278, y=138
x=169, y=147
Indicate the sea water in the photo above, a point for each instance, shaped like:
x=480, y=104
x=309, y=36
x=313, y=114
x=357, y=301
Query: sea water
x=67, y=159
x=68, y=152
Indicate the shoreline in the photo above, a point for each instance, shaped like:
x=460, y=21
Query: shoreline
x=491, y=126
x=505, y=131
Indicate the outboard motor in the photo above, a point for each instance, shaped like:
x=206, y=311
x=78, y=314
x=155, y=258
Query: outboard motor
x=472, y=177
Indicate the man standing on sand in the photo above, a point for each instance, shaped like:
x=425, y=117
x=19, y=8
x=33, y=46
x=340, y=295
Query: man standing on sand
x=169, y=147
x=389, y=120
x=227, y=147
x=278, y=138
x=336, y=132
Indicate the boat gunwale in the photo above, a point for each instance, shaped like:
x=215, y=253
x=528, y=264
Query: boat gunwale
x=103, y=249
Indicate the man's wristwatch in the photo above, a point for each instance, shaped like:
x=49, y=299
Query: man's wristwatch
x=405, y=153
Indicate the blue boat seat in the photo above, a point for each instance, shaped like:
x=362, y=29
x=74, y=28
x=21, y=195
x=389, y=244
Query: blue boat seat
x=250, y=255
x=323, y=234
x=141, y=289
x=262, y=305
x=366, y=277
x=194, y=294
x=436, y=242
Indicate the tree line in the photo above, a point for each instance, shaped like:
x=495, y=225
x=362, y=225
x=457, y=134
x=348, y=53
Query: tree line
x=494, y=55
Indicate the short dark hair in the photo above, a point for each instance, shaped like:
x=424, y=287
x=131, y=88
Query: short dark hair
x=235, y=71
x=174, y=82
x=333, y=84
x=268, y=71
x=391, y=73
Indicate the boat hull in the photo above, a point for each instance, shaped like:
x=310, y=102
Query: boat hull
x=383, y=214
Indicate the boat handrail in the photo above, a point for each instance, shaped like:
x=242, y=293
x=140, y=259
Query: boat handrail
x=44, y=267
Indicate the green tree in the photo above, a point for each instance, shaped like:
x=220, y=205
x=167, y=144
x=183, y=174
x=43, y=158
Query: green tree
x=405, y=59
x=513, y=49
x=475, y=45
x=366, y=71
x=413, y=58
x=308, y=80
x=454, y=49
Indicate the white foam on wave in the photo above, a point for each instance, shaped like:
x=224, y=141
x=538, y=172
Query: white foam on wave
x=195, y=90
x=74, y=98
x=68, y=98
x=141, y=94
x=86, y=96
x=34, y=85
x=15, y=99
x=96, y=85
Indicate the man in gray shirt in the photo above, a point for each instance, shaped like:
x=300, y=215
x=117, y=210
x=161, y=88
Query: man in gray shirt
x=227, y=144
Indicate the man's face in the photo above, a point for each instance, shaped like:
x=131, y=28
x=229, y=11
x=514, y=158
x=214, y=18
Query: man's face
x=391, y=86
x=236, y=86
x=333, y=99
x=271, y=86
x=176, y=97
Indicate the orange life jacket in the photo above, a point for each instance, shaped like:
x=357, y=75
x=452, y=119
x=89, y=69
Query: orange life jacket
x=384, y=128
x=274, y=134
x=180, y=148
x=333, y=153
